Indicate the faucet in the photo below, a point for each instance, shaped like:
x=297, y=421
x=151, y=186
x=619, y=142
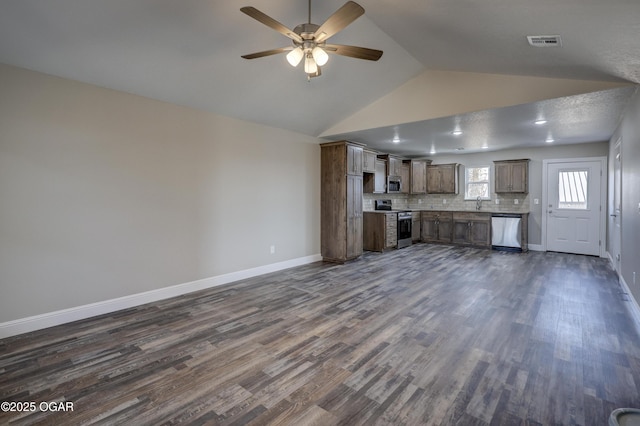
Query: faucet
x=478, y=203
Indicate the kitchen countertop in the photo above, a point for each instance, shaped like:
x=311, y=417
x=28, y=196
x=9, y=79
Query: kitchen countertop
x=469, y=211
x=385, y=211
x=456, y=211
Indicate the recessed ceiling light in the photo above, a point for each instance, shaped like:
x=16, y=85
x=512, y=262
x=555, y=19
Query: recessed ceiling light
x=485, y=147
x=396, y=140
x=539, y=122
x=549, y=140
x=456, y=132
x=433, y=151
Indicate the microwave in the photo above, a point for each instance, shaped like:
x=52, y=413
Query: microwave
x=394, y=184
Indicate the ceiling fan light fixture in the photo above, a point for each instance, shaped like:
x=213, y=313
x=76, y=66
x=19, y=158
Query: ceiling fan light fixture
x=320, y=56
x=309, y=39
x=295, y=56
x=310, y=66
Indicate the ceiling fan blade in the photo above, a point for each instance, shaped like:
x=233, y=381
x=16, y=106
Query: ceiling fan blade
x=270, y=22
x=353, y=51
x=267, y=53
x=348, y=13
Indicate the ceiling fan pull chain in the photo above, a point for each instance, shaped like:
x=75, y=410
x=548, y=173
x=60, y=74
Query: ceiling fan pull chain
x=309, y=11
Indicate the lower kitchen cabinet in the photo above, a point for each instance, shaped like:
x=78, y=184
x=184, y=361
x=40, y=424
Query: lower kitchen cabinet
x=416, y=218
x=471, y=228
x=436, y=226
x=380, y=231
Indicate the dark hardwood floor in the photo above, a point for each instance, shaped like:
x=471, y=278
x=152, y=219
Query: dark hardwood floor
x=424, y=335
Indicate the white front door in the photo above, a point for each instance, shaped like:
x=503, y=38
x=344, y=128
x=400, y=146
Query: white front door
x=574, y=208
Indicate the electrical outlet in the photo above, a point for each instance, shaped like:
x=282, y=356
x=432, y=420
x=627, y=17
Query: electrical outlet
x=516, y=201
x=444, y=201
x=497, y=201
x=536, y=201
x=272, y=249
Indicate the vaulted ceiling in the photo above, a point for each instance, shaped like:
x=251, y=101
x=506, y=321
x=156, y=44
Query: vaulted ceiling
x=188, y=53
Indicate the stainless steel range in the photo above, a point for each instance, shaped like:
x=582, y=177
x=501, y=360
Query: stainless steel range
x=404, y=222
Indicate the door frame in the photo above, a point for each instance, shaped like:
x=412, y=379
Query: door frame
x=603, y=197
x=615, y=232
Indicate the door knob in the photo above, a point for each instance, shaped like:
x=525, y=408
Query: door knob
x=613, y=215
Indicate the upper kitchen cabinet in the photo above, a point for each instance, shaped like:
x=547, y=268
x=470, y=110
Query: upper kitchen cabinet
x=341, y=201
x=380, y=185
x=442, y=178
x=418, y=173
x=405, y=178
x=512, y=176
x=375, y=183
x=394, y=164
x=369, y=161
x=354, y=159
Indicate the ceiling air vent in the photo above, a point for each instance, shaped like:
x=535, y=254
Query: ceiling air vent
x=545, y=41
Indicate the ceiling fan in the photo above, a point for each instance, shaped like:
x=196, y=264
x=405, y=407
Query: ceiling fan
x=309, y=40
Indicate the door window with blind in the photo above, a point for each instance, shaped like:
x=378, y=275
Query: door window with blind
x=573, y=189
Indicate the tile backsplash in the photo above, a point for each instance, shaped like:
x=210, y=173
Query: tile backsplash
x=507, y=202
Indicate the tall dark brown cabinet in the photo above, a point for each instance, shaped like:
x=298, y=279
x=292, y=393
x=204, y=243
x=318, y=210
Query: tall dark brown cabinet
x=341, y=201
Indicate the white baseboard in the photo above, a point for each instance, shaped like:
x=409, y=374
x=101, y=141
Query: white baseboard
x=634, y=309
x=535, y=247
x=50, y=319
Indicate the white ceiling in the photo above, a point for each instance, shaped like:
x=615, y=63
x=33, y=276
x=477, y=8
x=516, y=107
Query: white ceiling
x=188, y=53
x=591, y=117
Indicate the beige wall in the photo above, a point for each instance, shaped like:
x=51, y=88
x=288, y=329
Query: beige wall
x=629, y=134
x=105, y=194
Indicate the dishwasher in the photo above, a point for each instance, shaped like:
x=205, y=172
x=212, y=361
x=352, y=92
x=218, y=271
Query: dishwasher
x=506, y=231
